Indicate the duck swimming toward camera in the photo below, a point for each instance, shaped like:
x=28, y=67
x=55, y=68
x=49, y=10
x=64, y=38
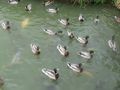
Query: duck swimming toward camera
x=75, y=67
x=5, y=25
x=52, y=10
x=117, y=19
x=63, y=50
x=49, y=2
x=52, y=74
x=81, y=18
x=86, y=54
x=112, y=43
x=83, y=40
x=13, y=2
x=35, y=49
x=64, y=21
x=70, y=35
x=28, y=7
x=96, y=20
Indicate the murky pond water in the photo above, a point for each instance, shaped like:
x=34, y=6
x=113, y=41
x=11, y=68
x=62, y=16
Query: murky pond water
x=21, y=70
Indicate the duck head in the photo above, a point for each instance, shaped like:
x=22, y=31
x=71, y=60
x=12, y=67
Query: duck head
x=67, y=19
x=97, y=17
x=55, y=70
x=91, y=51
x=86, y=37
x=80, y=64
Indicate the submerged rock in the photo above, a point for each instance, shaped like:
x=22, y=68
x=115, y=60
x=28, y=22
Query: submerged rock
x=117, y=4
x=1, y=82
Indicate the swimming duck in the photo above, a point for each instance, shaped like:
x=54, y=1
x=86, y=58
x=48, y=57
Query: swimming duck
x=81, y=18
x=13, y=1
x=47, y=3
x=63, y=50
x=35, y=49
x=86, y=54
x=83, y=40
x=117, y=19
x=28, y=7
x=70, y=35
x=52, y=74
x=52, y=10
x=64, y=21
x=96, y=20
x=112, y=43
x=75, y=67
x=50, y=32
x=5, y=25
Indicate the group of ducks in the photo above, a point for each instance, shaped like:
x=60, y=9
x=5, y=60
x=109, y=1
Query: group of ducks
x=53, y=74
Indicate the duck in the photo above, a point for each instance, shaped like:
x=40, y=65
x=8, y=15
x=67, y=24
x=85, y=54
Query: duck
x=63, y=50
x=96, y=20
x=28, y=7
x=112, y=43
x=49, y=32
x=117, y=19
x=13, y=2
x=52, y=74
x=64, y=21
x=83, y=40
x=52, y=10
x=81, y=18
x=86, y=54
x=75, y=67
x=5, y=25
x=49, y=2
x=35, y=49
x=70, y=35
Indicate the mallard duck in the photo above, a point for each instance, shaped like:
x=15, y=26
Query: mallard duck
x=5, y=25
x=64, y=21
x=50, y=32
x=28, y=7
x=117, y=19
x=52, y=10
x=35, y=49
x=52, y=74
x=47, y=3
x=70, y=35
x=81, y=18
x=96, y=20
x=83, y=40
x=112, y=43
x=63, y=50
x=13, y=1
x=86, y=54
x=75, y=67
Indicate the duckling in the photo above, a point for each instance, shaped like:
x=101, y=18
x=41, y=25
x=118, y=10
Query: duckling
x=5, y=25
x=117, y=19
x=13, y=2
x=75, y=67
x=35, y=49
x=28, y=7
x=86, y=54
x=52, y=74
x=70, y=35
x=63, y=50
x=49, y=2
x=64, y=21
x=81, y=18
x=83, y=40
x=96, y=20
x=112, y=43
x=52, y=10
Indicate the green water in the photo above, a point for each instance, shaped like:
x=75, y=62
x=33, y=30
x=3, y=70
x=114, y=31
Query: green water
x=21, y=70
